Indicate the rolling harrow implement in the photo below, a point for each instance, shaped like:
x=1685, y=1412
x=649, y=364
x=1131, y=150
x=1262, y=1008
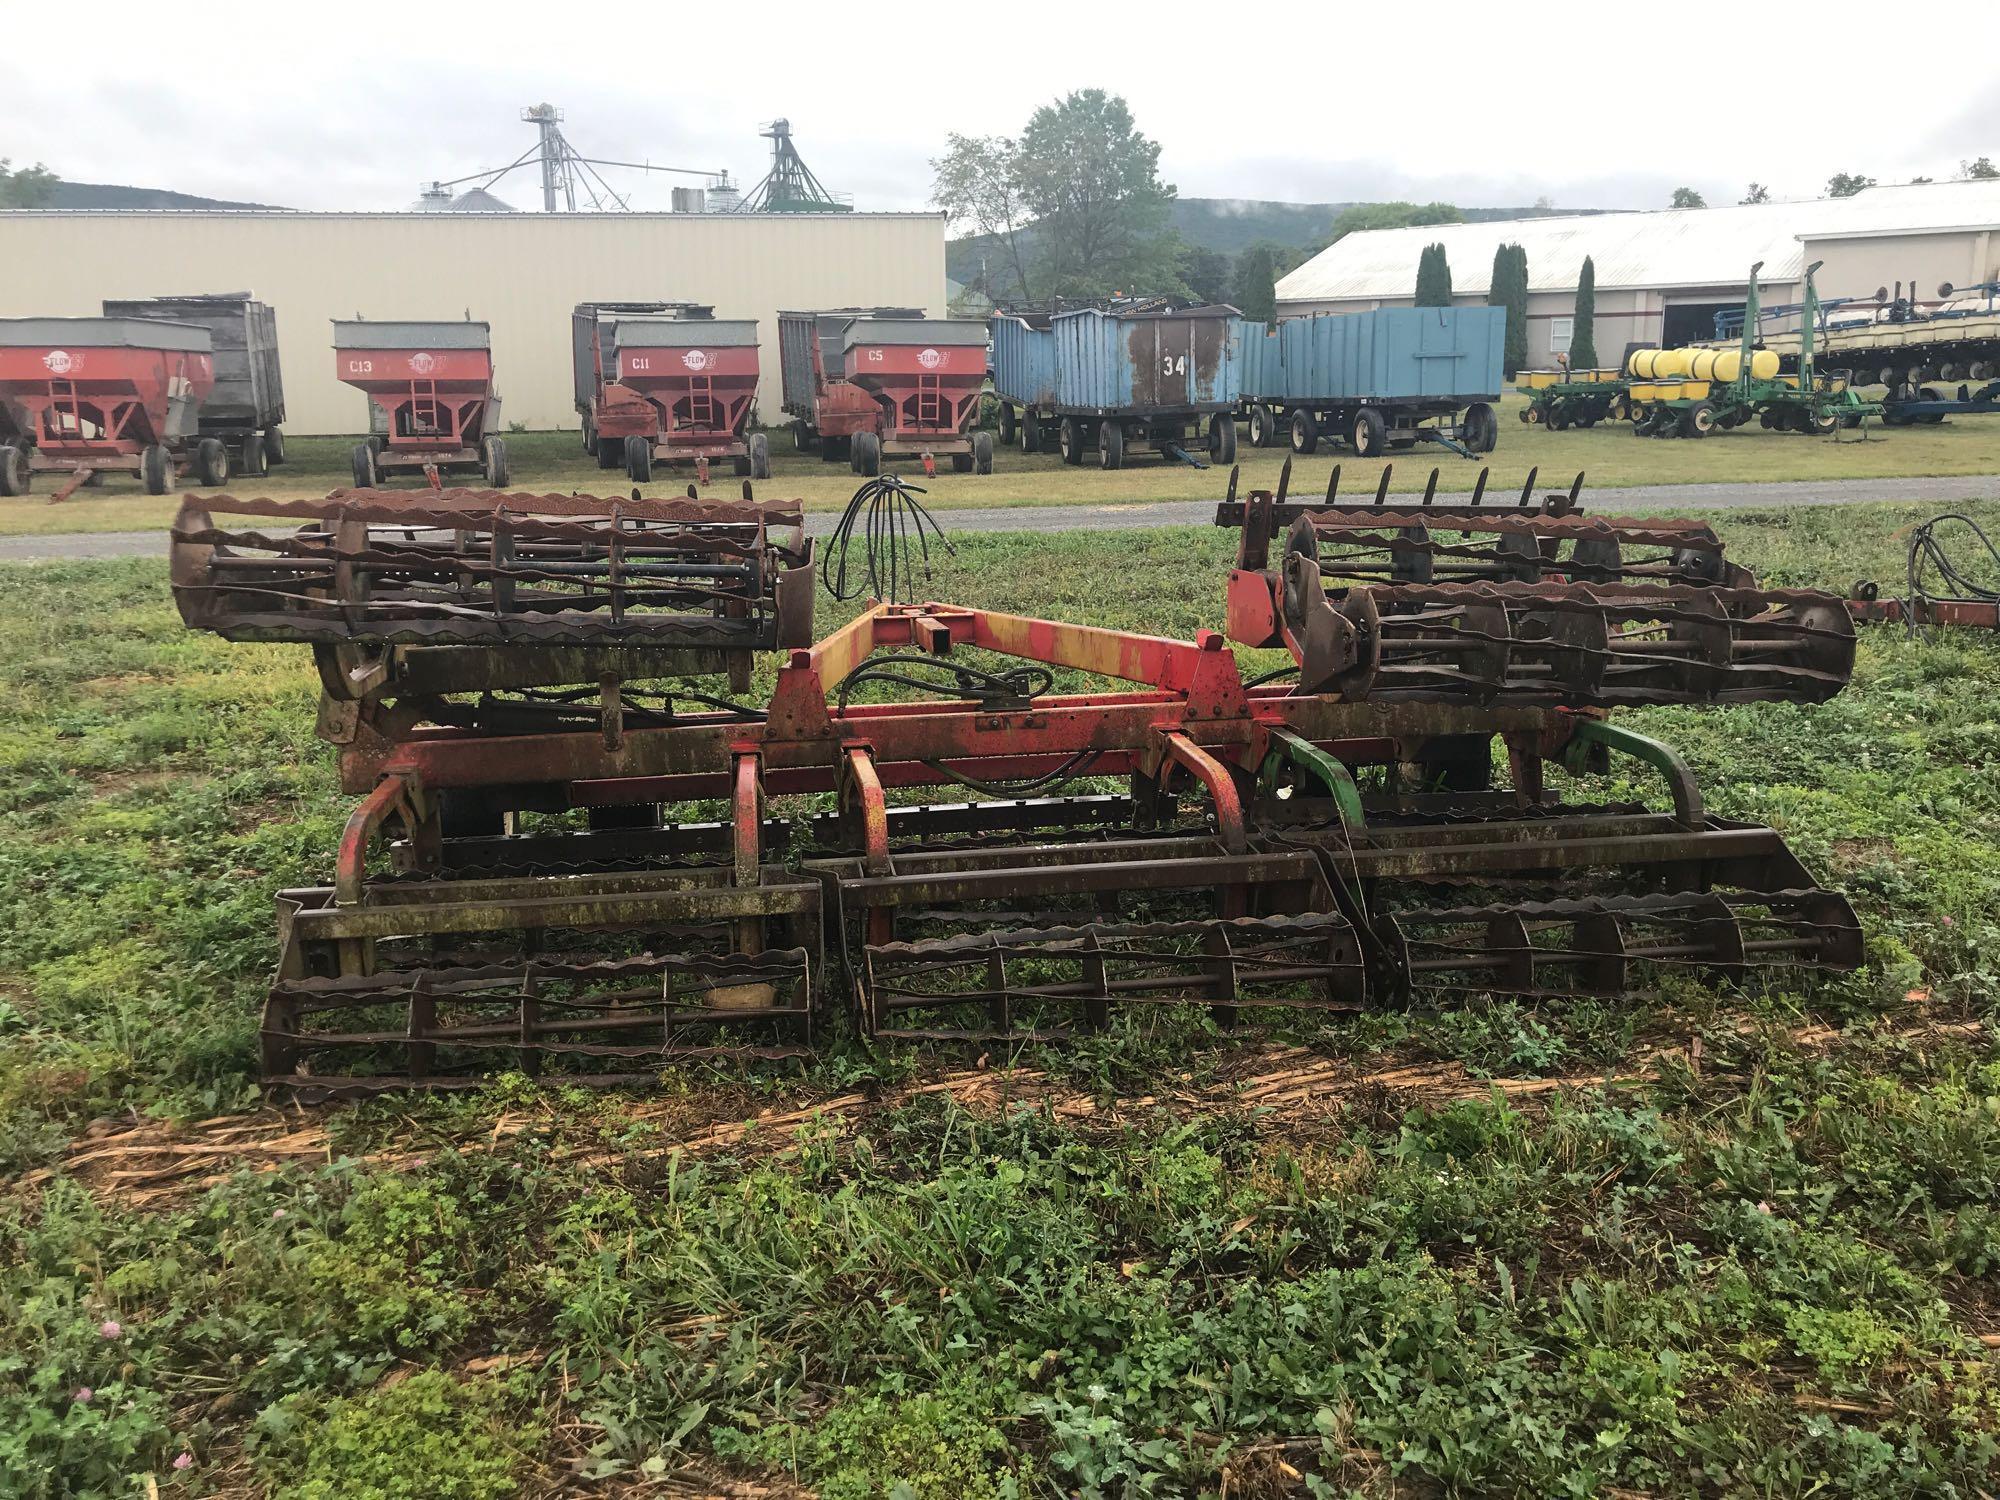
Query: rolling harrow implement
x=956, y=824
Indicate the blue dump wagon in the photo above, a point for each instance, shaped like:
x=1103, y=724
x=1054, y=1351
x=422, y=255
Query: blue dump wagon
x=1119, y=378
x=1377, y=380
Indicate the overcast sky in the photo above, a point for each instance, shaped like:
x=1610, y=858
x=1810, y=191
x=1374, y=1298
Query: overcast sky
x=1460, y=102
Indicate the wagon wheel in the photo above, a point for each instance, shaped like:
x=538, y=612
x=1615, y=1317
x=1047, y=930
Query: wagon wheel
x=15, y=475
x=1305, y=432
x=1111, y=445
x=156, y=469
x=211, y=463
x=1069, y=438
x=1222, y=438
x=364, y=466
x=274, y=446
x=760, y=455
x=1008, y=426
x=982, y=453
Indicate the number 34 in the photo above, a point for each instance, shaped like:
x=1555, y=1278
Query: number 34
x=1173, y=365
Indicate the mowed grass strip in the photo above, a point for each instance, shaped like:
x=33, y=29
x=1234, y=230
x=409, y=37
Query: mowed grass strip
x=1608, y=455
x=1757, y=1259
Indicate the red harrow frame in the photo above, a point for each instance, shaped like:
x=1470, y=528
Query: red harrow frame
x=508, y=892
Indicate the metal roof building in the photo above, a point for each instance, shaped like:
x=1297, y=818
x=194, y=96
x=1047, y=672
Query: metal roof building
x=1661, y=277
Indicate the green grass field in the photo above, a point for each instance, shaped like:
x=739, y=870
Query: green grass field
x=1609, y=455
x=1726, y=1241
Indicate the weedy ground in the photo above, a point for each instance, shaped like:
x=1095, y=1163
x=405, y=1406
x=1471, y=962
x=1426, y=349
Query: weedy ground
x=1725, y=1241
x=1608, y=454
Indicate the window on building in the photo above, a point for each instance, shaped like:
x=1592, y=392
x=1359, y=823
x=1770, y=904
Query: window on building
x=1559, y=332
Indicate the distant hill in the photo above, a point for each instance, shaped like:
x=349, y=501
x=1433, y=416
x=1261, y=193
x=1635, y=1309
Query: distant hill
x=1230, y=226
x=80, y=196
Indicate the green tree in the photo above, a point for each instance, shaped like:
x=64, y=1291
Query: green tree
x=1583, y=331
x=1847, y=184
x=1758, y=194
x=1687, y=197
x=1092, y=183
x=1433, y=278
x=977, y=184
x=1359, y=216
x=1256, y=283
x=1508, y=288
x=1207, y=273
x=25, y=187
x=1979, y=170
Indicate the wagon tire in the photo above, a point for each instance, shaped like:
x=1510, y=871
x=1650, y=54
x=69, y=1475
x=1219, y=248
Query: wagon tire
x=1031, y=431
x=252, y=461
x=1482, y=428
x=496, y=463
x=639, y=458
x=589, y=438
x=211, y=463
x=1008, y=426
x=982, y=453
x=1305, y=432
x=14, y=473
x=1371, y=433
x=1699, y=420
x=760, y=455
x=1260, y=426
x=1111, y=445
x=274, y=446
x=1069, y=438
x=1222, y=438
x=364, y=467
x=802, y=436
x=867, y=454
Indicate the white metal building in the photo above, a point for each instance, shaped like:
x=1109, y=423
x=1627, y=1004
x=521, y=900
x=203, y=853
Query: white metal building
x=522, y=273
x=1662, y=277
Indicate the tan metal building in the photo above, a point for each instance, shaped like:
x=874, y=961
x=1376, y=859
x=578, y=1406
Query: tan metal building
x=1662, y=277
x=522, y=273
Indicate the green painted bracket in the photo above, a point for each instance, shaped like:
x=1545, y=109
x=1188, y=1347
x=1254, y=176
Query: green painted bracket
x=1308, y=757
x=1663, y=758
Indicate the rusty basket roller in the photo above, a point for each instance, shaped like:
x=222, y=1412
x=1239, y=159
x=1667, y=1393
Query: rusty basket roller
x=1000, y=828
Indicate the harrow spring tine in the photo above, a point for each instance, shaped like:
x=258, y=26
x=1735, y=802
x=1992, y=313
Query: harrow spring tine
x=1333, y=485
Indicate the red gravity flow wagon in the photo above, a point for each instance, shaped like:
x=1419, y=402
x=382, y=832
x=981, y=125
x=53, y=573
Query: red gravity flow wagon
x=87, y=396
x=886, y=383
x=433, y=410
x=666, y=382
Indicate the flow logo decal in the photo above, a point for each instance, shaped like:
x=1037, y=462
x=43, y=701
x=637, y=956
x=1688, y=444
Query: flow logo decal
x=930, y=359
x=61, y=362
x=695, y=359
x=422, y=363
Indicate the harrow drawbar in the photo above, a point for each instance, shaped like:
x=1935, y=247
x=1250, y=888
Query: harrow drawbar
x=561, y=863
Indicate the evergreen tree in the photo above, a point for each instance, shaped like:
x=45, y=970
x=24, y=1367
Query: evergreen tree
x=1509, y=289
x=1256, y=283
x=1583, y=332
x=1433, y=278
